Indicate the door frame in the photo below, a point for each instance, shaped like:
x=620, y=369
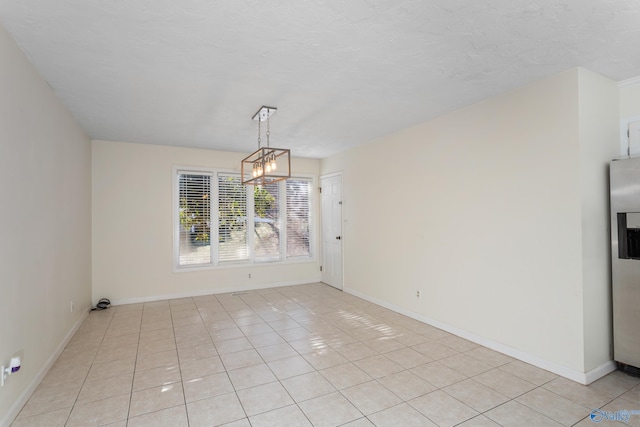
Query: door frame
x=342, y=231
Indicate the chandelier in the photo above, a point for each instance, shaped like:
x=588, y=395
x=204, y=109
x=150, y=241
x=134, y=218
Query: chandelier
x=266, y=164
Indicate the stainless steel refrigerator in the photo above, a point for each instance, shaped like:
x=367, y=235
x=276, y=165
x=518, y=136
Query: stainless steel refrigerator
x=625, y=261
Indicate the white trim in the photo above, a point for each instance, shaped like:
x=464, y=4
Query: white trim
x=174, y=218
x=225, y=290
x=599, y=372
x=629, y=82
x=26, y=394
x=330, y=175
x=577, y=376
x=243, y=264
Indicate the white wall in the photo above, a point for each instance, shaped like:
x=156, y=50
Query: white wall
x=629, y=112
x=45, y=249
x=630, y=98
x=482, y=211
x=599, y=115
x=133, y=223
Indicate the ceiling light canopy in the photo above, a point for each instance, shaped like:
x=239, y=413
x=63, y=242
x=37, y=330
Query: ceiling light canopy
x=266, y=164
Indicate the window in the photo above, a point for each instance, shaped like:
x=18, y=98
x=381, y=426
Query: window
x=266, y=202
x=232, y=219
x=298, y=217
x=272, y=224
x=194, y=218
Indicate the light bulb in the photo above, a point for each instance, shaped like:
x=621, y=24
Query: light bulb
x=273, y=163
x=268, y=167
x=255, y=173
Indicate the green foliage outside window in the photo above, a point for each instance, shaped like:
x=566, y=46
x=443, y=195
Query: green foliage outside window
x=195, y=209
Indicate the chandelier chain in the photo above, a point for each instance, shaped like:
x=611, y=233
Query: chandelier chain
x=268, y=127
x=259, y=132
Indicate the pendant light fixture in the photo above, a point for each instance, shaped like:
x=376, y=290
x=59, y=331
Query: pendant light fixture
x=266, y=164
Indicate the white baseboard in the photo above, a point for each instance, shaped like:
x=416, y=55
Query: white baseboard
x=191, y=294
x=600, y=371
x=24, y=397
x=577, y=376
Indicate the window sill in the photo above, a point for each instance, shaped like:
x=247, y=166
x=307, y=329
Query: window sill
x=241, y=264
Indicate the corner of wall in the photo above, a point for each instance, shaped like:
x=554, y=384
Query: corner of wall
x=599, y=144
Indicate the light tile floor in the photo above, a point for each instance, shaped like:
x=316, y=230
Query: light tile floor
x=304, y=355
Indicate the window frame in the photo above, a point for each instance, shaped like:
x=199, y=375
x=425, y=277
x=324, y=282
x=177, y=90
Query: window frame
x=214, y=263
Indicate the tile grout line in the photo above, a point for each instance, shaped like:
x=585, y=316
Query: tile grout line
x=90, y=367
x=135, y=363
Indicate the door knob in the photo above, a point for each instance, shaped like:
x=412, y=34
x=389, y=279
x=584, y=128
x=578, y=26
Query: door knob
x=338, y=238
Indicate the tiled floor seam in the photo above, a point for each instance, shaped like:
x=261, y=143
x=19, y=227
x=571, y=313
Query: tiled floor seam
x=75, y=402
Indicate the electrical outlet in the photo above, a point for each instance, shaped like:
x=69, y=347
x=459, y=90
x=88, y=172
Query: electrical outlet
x=418, y=294
x=249, y=275
x=71, y=305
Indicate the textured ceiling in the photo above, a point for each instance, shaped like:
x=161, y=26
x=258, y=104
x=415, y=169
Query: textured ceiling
x=193, y=72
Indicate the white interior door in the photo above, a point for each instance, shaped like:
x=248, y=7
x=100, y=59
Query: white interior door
x=331, y=199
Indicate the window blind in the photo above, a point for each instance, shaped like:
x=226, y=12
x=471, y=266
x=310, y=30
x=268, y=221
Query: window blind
x=298, y=217
x=267, y=222
x=232, y=219
x=194, y=218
